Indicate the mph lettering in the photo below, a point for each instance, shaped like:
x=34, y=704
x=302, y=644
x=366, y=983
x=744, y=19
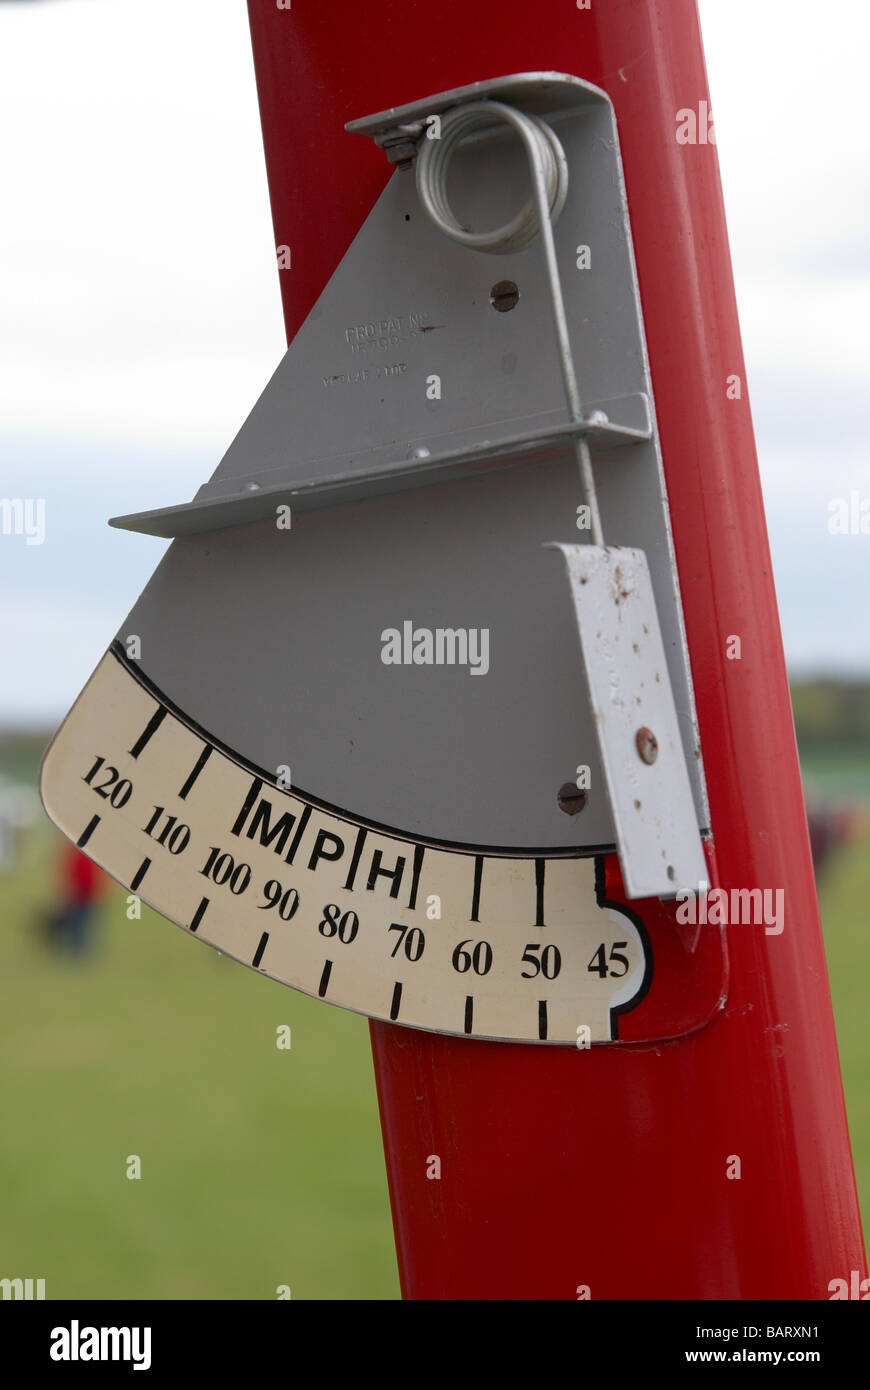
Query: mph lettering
x=284, y=832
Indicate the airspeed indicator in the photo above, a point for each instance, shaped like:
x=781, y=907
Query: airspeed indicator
x=490, y=945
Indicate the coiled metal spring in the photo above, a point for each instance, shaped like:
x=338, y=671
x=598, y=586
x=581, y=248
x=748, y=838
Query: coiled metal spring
x=546, y=157
x=549, y=170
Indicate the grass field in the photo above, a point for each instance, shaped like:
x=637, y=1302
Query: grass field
x=260, y=1167
x=844, y=895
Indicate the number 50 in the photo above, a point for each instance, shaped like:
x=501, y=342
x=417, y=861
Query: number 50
x=548, y=964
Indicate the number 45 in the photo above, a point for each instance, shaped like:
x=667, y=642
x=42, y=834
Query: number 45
x=599, y=962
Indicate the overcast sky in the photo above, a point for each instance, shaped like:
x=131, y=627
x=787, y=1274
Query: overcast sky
x=140, y=316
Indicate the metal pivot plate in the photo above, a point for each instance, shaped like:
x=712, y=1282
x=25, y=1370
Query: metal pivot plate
x=446, y=502
x=636, y=721
x=420, y=867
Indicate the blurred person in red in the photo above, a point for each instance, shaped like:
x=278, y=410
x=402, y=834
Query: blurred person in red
x=81, y=885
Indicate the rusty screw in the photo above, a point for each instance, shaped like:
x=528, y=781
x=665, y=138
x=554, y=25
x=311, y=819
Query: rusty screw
x=400, y=143
x=570, y=798
x=647, y=745
x=504, y=296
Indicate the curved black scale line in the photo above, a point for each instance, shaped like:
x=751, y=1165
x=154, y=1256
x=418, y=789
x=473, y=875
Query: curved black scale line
x=645, y=983
x=419, y=852
x=548, y=852
x=195, y=771
x=139, y=874
x=540, y=865
x=469, y=1012
x=88, y=831
x=357, y=855
x=297, y=835
x=475, y=895
x=149, y=731
x=199, y=914
x=253, y=792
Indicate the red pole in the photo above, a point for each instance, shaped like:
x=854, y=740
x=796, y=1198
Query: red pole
x=608, y=1169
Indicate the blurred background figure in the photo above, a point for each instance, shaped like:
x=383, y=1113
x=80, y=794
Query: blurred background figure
x=19, y=808
x=831, y=829
x=80, y=886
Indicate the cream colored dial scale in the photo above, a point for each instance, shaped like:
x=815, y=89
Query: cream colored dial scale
x=490, y=945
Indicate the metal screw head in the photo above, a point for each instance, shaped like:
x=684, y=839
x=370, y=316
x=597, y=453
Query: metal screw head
x=400, y=143
x=571, y=799
x=647, y=745
x=402, y=153
x=504, y=296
